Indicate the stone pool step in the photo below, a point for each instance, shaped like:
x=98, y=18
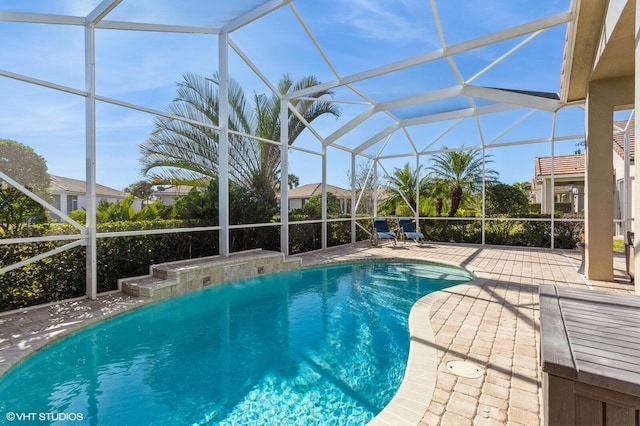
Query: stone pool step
x=173, y=278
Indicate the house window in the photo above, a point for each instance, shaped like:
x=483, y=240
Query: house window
x=72, y=203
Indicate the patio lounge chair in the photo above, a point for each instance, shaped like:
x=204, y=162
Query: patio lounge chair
x=408, y=230
x=381, y=231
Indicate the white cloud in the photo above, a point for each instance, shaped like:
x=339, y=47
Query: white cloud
x=389, y=21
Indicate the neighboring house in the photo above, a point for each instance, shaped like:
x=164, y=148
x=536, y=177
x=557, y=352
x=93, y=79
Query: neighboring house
x=569, y=172
x=168, y=194
x=297, y=196
x=71, y=194
x=300, y=194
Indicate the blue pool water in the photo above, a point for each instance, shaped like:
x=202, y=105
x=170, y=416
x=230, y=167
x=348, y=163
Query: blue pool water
x=324, y=345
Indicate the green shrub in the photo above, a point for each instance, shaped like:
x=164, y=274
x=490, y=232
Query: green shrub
x=563, y=207
x=452, y=231
x=63, y=275
x=567, y=234
x=58, y=277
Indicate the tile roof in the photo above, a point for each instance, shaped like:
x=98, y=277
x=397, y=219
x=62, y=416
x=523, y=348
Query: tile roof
x=618, y=138
x=76, y=186
x=562, y=165
x=575, y=163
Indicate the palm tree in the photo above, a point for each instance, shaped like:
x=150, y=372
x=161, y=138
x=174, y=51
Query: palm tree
x=461, y=172
x=184, y=152
x=435, y=189
x=524, y=186
x=402, y=188
x=294, y=181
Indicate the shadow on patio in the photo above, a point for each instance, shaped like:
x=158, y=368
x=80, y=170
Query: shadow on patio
x=493, y=323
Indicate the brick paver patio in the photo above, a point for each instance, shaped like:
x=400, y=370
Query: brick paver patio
x=492, y=323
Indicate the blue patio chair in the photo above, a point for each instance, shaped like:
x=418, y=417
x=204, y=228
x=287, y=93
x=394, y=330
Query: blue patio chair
x=408, y=230
x=381, y=231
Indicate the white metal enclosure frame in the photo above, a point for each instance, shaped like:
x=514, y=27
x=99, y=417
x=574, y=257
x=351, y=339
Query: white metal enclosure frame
x=480, y=101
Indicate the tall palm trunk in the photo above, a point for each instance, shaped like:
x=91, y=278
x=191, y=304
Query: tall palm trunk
x=438, y=206
x=456, y=198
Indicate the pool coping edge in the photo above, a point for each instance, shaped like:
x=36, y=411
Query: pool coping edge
x=414, y=395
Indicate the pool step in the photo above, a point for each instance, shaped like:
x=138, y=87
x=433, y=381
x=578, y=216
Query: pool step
x=173, y=278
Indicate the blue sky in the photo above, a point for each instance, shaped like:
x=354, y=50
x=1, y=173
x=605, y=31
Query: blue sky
x=143, y=68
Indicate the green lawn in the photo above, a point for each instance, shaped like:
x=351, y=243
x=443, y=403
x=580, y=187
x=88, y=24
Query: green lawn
x=618, y=244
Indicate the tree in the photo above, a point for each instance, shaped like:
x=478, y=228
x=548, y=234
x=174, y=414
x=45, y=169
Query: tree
x=142, y=189
x=402, y=186
x=294, y=181
x=313, y=206
x=504, y=200
x=17, y=210
x=524, y=186
x=245, y=207
x=22, y=164
x=461, y=172
x=434, y=189
x=183, y=152
x=199, y=204
x=367, y=182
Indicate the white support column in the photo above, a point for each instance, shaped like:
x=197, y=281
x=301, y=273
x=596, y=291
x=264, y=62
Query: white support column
x=636, y=198
x=626, y=195
x=63, y=203
x=417, y=212
x=323, y=238
x=90, y=154
x=484, y=196
x=375, y=186
x=223, y=144
x=353, y=197
x=553, y=187
x=284, y=177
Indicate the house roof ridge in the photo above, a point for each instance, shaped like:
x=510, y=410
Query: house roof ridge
x=79, y=186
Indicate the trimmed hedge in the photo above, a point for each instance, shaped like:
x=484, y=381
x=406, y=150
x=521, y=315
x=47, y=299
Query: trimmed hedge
x=304, y=237
x=519, y=233
x=63, y=275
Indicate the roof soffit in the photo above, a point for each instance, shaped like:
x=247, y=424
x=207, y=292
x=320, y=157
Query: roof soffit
x=616, y=54
x=600, y=45
x=580, y=47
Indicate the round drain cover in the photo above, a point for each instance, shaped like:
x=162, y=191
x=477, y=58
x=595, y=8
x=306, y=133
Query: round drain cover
x=464, y=369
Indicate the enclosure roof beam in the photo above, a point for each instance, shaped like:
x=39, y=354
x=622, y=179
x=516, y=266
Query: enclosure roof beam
x=253, y=14
x=456, y=49
x=42, y=18
x=375, y=139
x=101, y=11
x=162, y=28
x=352, y=124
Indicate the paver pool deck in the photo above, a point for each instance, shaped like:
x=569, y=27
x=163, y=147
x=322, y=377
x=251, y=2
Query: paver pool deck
x=492, y=323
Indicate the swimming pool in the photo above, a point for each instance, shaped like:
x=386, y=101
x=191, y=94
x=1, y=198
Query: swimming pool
x=323, y=345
